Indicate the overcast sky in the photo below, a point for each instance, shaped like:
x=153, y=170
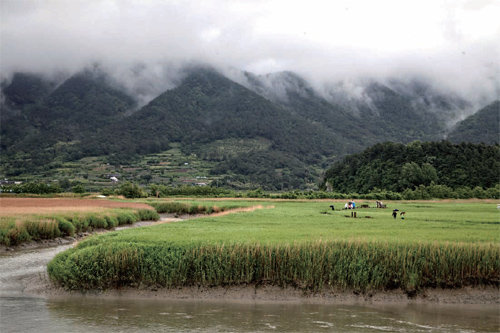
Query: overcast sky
x=455, y=42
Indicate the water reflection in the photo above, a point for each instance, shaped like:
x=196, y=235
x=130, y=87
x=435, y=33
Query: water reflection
x=82, y=314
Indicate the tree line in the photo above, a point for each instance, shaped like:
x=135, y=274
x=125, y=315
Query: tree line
x=397, y=167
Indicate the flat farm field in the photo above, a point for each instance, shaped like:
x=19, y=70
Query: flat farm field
x=304, y=221
x=303, y=244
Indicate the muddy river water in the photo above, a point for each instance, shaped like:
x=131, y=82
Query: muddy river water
x=20, y=311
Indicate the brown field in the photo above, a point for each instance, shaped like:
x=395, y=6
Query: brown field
x=17, y=206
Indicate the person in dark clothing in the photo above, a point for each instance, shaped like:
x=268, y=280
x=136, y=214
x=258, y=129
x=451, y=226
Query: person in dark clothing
x=394, y=213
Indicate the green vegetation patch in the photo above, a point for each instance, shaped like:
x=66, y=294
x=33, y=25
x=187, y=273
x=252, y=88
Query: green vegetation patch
x=396, y=167
x=191, y=208
x=341, y=264
x=300, y=244
x=25, y=228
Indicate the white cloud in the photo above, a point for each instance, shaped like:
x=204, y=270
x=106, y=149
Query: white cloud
x=454, y=42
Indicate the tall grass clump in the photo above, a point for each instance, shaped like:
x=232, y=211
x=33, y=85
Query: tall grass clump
x=147, y=215
x=20, y=231
x=181, y=208
x=14, y=231
x=126, y=218
x=311, y=266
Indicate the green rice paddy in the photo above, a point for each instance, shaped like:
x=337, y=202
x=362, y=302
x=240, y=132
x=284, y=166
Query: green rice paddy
x=300, y=244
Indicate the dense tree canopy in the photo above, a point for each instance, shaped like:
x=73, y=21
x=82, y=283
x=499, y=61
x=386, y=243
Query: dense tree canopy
x=396, y=167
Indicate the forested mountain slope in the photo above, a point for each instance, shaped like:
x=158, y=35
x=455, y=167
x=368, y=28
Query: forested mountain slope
x=36, y=127
x=366, y=111
x=483, y=126
x=275, y=131
x=395, y=167
x=208, y=109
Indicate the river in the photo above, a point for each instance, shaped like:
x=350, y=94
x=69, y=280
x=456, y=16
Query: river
x=22, y=312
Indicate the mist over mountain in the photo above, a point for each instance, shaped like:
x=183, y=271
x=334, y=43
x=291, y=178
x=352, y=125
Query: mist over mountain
x=384, y=104
x=282, y=130
x=481, y=127
x=142, y=45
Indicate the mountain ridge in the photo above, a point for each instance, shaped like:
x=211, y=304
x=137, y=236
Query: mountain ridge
x=87, y=115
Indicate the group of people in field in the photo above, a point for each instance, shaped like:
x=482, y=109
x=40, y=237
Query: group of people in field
x=350, y=205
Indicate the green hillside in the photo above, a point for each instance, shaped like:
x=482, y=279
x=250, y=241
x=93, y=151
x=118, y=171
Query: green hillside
x=483, y=126
x=381, y=114
x=26, y=89
x=206, y=111
x=274, y=131
x=40, y=131
x=396, y=167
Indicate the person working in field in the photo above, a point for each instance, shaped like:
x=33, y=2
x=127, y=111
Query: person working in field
x=350, y=205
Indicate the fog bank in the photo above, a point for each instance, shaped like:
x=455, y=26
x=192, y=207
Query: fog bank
x=144, y=44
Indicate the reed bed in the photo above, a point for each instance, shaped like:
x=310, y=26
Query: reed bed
x=25, y=228
x=189, y=208
x=361, y=266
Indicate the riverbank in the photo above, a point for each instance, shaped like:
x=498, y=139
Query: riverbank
x=23, y=220
x=40, y=285
x=304, y=246
x=25, y=274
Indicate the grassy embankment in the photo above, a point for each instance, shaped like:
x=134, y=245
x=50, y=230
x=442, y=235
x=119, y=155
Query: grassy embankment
x=300, y=244
x=27, y=219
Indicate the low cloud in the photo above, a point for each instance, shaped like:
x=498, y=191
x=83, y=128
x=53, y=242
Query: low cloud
x=143, y=44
